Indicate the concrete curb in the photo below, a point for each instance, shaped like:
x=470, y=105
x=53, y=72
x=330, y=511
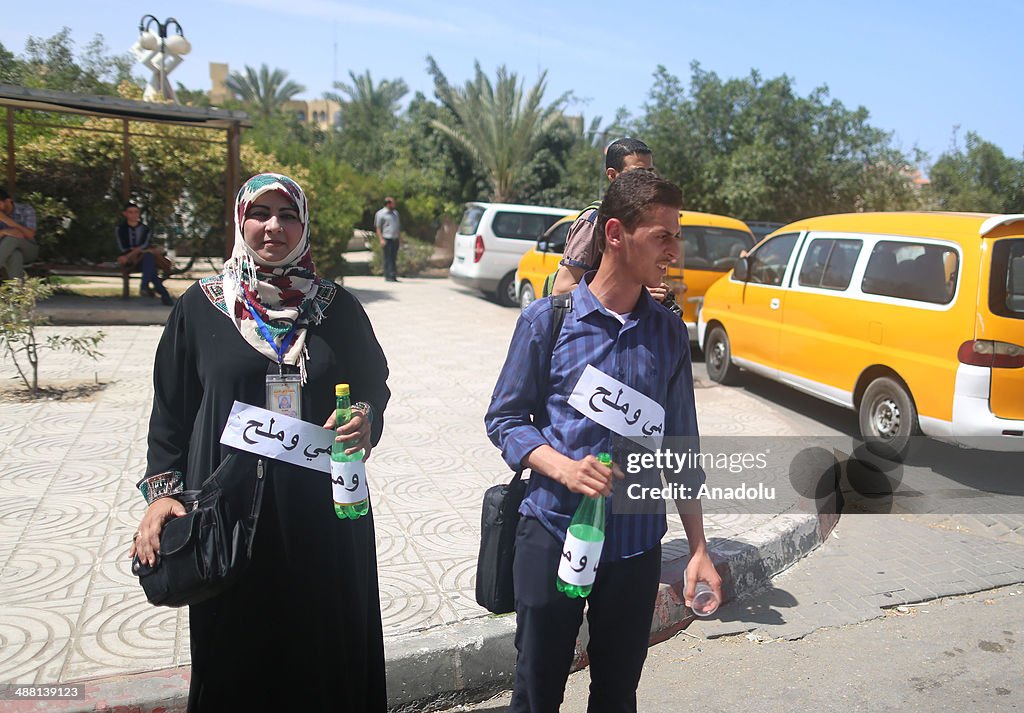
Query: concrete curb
x=477, y=656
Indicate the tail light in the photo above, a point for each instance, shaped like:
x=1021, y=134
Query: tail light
x=997, y=355
x=478, y=248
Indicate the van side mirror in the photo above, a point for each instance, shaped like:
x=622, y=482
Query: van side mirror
x=741, y=270
x=542, y=246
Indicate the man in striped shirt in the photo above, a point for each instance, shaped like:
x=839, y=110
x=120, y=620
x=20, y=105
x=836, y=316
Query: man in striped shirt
x=617, y=334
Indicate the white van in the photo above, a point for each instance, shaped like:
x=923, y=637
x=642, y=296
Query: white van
x=491, y=239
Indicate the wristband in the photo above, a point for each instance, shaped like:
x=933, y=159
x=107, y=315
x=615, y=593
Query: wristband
x=161, y=485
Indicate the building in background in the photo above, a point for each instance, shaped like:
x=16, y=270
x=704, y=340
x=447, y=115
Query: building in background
x=324, y=113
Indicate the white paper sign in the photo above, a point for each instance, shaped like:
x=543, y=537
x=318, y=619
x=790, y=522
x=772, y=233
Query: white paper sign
x=579, y=560
x=619, y=408
x=348, y=481
x=274, y=435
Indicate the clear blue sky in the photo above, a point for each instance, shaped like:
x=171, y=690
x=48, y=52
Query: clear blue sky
x=919, y=67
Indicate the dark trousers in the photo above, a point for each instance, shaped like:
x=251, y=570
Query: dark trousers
x=390, y=251
x=147, y=266
x=620, y=610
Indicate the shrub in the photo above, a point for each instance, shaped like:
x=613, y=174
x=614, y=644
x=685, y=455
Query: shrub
x=18, y=320
x=413, y=256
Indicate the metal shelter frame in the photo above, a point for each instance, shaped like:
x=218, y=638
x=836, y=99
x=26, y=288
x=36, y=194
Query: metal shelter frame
x=17, y=99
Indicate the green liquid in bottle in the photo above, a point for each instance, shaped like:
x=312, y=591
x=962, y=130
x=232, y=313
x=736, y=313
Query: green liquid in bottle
x=343, y=414
x=587, y=526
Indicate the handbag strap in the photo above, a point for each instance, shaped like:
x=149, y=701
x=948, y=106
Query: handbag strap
x=562, y=305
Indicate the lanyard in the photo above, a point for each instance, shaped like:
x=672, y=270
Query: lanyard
x=285, y=343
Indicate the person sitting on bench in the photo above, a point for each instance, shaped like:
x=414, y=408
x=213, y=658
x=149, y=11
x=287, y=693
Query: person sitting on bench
x=18, y=245
x=133, y=240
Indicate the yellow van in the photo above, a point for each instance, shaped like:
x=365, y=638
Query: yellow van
x=711, y=244
x=914, y=320
x=541, y=260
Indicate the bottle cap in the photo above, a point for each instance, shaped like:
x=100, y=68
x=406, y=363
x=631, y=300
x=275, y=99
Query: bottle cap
x=605, y=458
x=341, y=390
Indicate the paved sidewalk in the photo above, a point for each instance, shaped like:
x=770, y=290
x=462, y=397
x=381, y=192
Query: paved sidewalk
x=71, y=611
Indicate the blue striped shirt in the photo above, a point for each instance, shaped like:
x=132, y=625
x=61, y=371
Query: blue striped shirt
x=650, y=352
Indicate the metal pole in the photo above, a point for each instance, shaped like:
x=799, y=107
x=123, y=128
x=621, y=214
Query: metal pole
x=163, y=61
x=126, y=166
x=232, y=178
x=10, y=149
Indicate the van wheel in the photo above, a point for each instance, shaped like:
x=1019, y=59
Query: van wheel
x=888, y=418
x=718, y=357
x=526, y=295
x=506, y=293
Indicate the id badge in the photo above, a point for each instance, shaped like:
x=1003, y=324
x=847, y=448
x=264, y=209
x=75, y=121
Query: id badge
x=284, y=394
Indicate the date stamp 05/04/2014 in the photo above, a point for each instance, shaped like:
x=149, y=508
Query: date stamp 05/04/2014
x=41, y=691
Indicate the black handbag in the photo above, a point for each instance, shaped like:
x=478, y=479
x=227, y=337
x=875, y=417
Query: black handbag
x=495, y=589
x=203, y=551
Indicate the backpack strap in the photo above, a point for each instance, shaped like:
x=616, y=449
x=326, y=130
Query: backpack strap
x=561, y=305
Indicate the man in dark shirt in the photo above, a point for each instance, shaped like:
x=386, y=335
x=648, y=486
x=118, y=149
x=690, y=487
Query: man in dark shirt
x=133, y=239
x=615, y=337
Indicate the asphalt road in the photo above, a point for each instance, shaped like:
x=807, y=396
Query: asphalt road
x=958, y=654
x=962, y=654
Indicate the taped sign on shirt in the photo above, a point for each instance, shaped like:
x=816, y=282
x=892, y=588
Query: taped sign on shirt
x=619, y=408
x=274, y=435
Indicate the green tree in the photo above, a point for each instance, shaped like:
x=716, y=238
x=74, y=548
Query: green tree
x=192, y=97
x=497, y=124
x=982, y=178
x=369, y=104
x=10, y=67
x=369, y=118
x=756, y=149
x=263, y=92
x=50, y=63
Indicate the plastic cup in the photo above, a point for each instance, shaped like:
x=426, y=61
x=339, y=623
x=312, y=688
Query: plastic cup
x=704, y=603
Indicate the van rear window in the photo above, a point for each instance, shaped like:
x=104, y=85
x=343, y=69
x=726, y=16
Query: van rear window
x=521, y=226
x=1006, y=287
x=471, y=220
x=912, y=271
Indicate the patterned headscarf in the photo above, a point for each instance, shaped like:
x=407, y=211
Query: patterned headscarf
x=282, y=293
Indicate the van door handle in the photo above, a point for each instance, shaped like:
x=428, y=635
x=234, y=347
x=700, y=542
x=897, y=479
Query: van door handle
x=775, y=303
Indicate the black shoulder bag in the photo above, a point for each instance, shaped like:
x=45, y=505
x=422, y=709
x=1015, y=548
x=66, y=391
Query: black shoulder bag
x=203, y=551
x=500, y=516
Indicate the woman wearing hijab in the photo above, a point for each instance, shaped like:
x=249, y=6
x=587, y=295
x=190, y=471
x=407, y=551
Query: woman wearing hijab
x=301, y=629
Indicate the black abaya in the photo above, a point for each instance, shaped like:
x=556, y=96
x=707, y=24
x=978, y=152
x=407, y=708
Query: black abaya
x=301, y=630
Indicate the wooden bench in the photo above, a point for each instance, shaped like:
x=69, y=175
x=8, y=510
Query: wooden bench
x=103, y=269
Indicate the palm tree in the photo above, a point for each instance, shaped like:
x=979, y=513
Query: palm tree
x=368, y=104
x=264, y=91
x=499, y=126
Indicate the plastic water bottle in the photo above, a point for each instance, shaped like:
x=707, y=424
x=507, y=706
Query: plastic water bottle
x=577, y=569
x=348, y=472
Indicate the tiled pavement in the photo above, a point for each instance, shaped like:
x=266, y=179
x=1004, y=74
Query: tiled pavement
x=69, y=607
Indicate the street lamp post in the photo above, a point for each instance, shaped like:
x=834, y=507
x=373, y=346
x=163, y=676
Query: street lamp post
x=160, y=53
